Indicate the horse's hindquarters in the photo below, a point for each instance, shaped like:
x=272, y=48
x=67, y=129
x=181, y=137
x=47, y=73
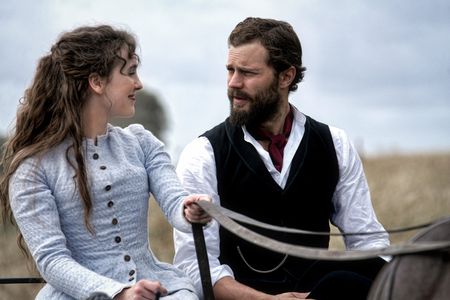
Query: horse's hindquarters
x=417, y=276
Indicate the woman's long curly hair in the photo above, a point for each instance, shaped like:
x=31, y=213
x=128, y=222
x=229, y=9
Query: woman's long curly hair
x=50, y=110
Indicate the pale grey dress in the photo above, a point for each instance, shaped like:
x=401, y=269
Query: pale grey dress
x=124, y=166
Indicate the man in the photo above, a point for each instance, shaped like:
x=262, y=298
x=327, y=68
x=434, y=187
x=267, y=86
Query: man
x=273, y=163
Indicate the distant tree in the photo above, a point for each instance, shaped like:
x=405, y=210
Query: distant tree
x=149, y=112
x=2, y=141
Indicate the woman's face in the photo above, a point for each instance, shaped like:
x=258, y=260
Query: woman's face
x=121, y=87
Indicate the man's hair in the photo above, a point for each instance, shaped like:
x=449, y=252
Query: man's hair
x=280, y=40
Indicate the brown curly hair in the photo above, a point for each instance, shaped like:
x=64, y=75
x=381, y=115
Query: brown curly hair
x=50, y=110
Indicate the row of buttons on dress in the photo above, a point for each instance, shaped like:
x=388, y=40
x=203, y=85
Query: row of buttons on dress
x=114, y=221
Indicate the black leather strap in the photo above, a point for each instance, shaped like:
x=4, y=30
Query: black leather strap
x=203, y=263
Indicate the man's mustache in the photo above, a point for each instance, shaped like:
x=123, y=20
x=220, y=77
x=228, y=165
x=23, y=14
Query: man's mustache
x=232, y=93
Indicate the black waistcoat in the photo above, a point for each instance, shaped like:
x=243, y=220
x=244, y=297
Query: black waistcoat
x=245, y=186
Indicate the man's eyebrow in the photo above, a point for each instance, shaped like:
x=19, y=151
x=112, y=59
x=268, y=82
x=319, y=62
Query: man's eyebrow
x=245, y=69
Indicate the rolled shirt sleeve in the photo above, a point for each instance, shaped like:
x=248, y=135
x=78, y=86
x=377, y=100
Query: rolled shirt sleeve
x=352, y=205
x=197, y=172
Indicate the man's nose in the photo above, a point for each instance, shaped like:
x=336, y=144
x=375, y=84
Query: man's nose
x=235, y=81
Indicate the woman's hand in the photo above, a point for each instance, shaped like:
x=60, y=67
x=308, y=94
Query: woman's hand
x=143, y=289
x=193, y=212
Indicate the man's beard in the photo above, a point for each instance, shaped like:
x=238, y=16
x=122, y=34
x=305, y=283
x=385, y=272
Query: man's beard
x=263, y=106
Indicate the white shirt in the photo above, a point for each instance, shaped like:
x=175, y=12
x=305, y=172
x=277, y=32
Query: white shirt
x=352, y=207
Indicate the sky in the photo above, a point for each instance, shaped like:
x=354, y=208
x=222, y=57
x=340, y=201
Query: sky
x=380, y=70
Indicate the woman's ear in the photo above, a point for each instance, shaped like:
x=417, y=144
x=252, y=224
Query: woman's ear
x=286, y=77
x=96, y=83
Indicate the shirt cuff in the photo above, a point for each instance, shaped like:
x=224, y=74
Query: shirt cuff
x=180, y=222
x=221, y=272
x=113, y=289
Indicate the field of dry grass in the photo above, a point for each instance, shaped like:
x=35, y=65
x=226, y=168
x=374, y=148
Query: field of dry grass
x=406, y=190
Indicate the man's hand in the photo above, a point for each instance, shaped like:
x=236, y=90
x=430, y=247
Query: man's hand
x=193, y=212
x=227, y=288
x=291, y=295
x=143, y=289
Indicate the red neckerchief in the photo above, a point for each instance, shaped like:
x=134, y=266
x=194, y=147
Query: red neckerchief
x=277, y=142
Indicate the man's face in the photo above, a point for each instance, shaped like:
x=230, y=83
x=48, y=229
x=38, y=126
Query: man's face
x=252, y=86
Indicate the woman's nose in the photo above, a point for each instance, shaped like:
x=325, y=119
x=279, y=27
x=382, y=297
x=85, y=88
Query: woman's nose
x=138, y=84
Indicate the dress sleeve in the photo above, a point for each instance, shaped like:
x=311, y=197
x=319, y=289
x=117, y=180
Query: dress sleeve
x=353, y=211
x=163, y=181
x=197, y=172
x=37, y=217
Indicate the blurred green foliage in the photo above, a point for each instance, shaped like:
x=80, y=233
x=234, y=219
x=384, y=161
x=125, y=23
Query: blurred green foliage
x=150, y=113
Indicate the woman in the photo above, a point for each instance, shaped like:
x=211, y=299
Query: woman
x=78, y=187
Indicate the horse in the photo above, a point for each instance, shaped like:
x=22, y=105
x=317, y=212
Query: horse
x=423, y=275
